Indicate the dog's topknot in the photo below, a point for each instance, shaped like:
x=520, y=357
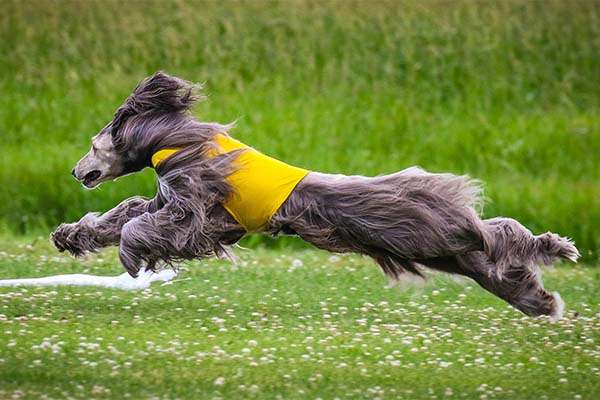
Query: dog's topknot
x=159, y=93
x=163, y=93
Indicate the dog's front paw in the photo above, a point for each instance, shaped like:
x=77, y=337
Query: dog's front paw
x=59, y=237
x=67, y=237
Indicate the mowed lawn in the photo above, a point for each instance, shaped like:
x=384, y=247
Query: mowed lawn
x=287, y=324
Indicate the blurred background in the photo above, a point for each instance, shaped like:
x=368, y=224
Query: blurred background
x=508, y=92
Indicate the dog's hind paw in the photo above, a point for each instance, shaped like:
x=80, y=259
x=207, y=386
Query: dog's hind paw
x=559, y=307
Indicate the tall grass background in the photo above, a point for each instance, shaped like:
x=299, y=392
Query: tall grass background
x=508, y=92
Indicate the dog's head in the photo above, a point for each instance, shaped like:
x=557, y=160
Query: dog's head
x=126, y=144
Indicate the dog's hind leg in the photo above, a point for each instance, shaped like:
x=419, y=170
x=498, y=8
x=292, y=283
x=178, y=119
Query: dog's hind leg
x=520, y=286
x=513, y=244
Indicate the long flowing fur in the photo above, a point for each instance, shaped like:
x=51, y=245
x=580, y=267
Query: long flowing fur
x=405, y=221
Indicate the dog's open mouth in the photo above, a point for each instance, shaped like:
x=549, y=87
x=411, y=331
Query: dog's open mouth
x=90, y=178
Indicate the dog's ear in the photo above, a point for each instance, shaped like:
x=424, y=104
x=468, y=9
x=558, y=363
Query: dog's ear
x=160, y=93
x=163, y=93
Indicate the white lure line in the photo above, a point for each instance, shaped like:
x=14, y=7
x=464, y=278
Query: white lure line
x=123, y=281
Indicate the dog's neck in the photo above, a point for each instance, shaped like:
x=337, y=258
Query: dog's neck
x=143, y=136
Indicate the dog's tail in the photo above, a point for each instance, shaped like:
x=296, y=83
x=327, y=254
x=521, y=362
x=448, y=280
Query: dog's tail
x=458, y=190
x=504, y=240
x=513, y=244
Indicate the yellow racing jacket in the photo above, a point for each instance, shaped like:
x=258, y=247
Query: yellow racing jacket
x=261, y=184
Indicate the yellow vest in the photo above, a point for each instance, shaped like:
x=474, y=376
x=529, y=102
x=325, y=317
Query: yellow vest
x=261, y=184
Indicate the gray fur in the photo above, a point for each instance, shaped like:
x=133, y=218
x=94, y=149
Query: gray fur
x=405, y=221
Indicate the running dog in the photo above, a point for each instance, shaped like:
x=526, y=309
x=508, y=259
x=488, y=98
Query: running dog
x=213, y=190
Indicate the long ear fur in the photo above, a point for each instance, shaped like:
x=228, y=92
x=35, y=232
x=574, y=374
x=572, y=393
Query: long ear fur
x=160, y=93
x=163, y=93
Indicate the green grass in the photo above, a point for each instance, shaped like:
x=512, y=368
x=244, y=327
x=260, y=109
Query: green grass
x=508, y=92
x=287, y=325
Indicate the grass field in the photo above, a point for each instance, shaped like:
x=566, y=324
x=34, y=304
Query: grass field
x=303, y=325
x=508, y=92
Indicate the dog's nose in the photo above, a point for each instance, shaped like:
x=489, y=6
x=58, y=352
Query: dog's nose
x=73, y=173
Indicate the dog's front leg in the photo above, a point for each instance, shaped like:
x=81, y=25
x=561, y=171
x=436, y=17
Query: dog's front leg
x=172, y=233
x=95, y=231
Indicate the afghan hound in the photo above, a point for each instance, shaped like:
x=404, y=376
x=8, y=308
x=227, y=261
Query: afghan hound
x=212, y=190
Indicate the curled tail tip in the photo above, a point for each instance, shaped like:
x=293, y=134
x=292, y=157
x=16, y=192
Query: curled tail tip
x=566, y=249
x=572, y=257
x=570, y=252
x=552, y=246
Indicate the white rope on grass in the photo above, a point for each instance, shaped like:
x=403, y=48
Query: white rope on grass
x=123, y=281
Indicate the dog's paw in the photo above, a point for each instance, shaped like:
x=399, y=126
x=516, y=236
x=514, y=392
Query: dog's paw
x=559, y=307
x=59, y=237
x=66, y=238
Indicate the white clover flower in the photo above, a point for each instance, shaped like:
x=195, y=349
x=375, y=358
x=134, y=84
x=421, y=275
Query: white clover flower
x=297, y=263
x=220, y=381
